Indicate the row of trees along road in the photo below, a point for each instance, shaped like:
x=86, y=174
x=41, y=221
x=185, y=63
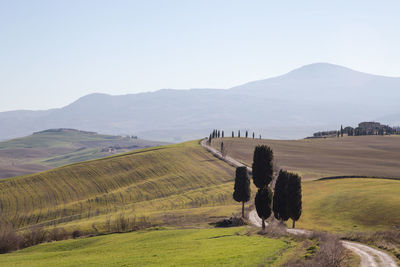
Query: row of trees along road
x=221, y=134
x=286, y=198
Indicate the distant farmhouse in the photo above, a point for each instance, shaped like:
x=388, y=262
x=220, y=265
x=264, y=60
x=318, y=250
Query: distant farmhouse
x=364, y=128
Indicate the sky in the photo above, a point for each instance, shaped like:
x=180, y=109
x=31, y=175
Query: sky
x=53, y=52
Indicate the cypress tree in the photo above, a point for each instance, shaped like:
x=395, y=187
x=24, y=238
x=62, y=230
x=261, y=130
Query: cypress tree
x=233, y=135
x=247, y=133
x=341, y=130
x=262, y=166
x=222, y=134
x=294, y=197
x=239, y=133
x=280, y=204
x=219, y=133
x=253, y=135
x=241, y=191
x=209, y=139
x=263, y=204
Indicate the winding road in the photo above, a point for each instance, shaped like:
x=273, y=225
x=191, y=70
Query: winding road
x=370, y=257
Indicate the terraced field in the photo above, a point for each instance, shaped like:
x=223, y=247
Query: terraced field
x=177, y=184
x=316, y=158
x=222, y=247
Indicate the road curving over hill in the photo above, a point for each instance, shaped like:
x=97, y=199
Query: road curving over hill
x=370, y=257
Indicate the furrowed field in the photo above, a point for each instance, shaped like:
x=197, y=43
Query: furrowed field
x=316, y=158
x=177, y=184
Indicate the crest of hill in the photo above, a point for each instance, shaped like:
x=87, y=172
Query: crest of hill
x=64, y=130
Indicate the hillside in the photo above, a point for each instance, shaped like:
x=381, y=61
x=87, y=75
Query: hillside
x=293, y=105
x=57, y=147
x=177, y=184
x=316, y=158
x=351, y=205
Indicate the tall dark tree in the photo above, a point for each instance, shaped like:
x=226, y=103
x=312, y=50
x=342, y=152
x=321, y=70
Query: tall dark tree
x=280, y=203
x=263, y=204
x=253, y=135
x=222, y=134
x=262, y=166
x=294, y=197
x=241, y=191
x=247, y=133
x=233, y=134
x=209, y=139
x=219, y=133
x=341, y=130
x=239, y=133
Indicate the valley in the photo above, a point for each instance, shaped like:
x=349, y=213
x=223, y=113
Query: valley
x=57, y=147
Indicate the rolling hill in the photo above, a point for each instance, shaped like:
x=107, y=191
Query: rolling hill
x=57, y=147
x=177, y=184
x=293, y=105
x=317, y=158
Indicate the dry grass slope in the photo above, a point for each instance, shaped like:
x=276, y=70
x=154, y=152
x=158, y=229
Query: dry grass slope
x=176, y=183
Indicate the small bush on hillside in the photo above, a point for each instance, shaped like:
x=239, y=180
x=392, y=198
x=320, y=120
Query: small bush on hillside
x=77, y=233
x=35, y=235
x=57, y=234
x=231, y=222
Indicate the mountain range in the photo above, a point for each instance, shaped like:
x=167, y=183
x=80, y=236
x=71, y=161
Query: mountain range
x=319, y=96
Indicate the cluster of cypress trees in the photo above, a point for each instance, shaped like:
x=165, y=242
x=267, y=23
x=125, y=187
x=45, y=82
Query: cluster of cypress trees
x=287, y=196
x=262, y=177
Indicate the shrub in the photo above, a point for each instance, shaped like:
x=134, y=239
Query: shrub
x=9, y=239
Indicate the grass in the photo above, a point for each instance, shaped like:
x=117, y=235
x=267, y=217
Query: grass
x=316, y=158
x=229, y=247
x=350, y=205
x=49, y=149
x=181, y=184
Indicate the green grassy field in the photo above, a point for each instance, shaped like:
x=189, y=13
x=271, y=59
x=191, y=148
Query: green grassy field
x=316, y=158
x=195, y=247
x=177, y=184
x=53, y=148
x=341, y=205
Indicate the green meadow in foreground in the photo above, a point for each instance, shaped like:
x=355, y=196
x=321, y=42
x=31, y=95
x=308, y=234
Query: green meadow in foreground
x=350, y=205
x=201, y=247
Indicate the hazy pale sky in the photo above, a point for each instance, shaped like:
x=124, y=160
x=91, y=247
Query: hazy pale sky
x=53, y=52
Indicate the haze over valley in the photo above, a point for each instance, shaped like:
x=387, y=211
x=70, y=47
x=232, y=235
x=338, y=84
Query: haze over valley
x=314, y=97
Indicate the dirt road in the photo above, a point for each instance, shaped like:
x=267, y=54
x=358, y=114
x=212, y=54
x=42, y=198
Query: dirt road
x=370, y=257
